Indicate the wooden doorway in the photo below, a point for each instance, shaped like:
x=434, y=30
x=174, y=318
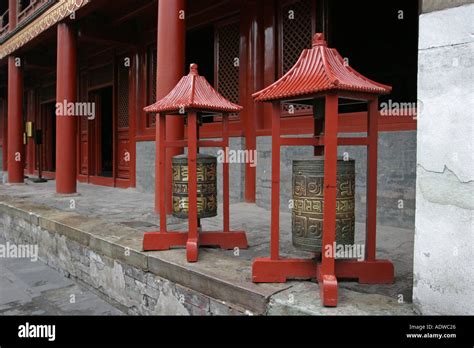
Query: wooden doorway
x=101, y=144
x=47, y=125
x=104, y=140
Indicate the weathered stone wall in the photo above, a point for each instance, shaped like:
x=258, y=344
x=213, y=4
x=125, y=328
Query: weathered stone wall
x=396, y=176
x=145, y=166
x=396, y=180
x=138, y=291
x=444, y=231
x=436, y=5
x=236, y=171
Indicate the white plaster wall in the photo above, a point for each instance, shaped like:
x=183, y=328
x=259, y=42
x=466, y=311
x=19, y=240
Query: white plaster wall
x=444, y=218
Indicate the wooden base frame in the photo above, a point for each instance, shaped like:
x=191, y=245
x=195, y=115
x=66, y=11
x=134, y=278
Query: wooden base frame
x=222, y=239
x=194, y=237
x=369, y=271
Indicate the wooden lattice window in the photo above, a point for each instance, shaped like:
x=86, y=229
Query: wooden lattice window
x=227, y=41
x=123, y=96
x=228, y=50
x=296, y=31
x=151, y=73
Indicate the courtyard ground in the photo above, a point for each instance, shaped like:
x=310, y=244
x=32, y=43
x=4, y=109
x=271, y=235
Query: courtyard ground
x=33, y=288
x=120, y=217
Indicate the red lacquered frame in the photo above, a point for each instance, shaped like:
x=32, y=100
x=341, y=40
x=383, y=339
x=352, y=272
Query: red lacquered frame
x=321, y=73
x=369, y=271
x=192, y=95
x=193, y=238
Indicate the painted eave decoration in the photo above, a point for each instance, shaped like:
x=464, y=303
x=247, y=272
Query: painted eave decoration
x=319, y=69
x=193, y=92
x=48, y=19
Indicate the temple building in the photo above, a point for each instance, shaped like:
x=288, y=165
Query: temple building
x=76, y=75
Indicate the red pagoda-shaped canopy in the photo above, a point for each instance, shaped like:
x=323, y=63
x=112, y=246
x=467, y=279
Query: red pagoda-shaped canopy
x=193, y=92
x=319, y=69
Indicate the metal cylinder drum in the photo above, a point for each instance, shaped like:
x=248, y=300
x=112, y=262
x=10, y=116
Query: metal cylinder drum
x=206, y=186
x=308, y=203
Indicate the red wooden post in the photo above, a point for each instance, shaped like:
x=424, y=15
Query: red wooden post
x=275, y=223
x=254, y=78
x=225, y=171
x=170, y=57
x=192, y=243
x=161, y=178
x=372, y=154
x=66, y=124
x=15, y=121
x=330, y=171
x=327, y=281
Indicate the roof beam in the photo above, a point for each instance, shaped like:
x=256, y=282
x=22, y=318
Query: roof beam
x=103, y=40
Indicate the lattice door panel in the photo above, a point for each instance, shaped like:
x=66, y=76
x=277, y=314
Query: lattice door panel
x=123, y=137
x=83, y=129
x=228, y=55
x=296, y=32
x=151, y=67
x=123, y=96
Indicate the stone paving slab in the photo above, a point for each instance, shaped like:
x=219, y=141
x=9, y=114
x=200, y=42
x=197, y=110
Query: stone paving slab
x=111, y=221
x=33, y=288
x=303, y=298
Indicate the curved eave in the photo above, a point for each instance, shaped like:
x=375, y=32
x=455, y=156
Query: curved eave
x=51, y=14
x=193, y=93
x=319, y=70
x=185, y=108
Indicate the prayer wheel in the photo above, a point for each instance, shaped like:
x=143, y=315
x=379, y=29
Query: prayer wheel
x=308, y=200
x=206, y=186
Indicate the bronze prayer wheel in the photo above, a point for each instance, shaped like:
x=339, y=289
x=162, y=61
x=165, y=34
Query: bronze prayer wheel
x=308, y=201
x=206, y=186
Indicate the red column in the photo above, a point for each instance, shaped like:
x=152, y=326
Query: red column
x=171, y=60
x=12, y=14
x=327, y=277
x=66, y=125
x=372, y=157
x=15, y=121
x=192, y=244
x=330, y=180
x=251, y=80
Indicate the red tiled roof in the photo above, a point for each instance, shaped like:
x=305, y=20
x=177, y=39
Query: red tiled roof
x=193, y=92
x=319, y=69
